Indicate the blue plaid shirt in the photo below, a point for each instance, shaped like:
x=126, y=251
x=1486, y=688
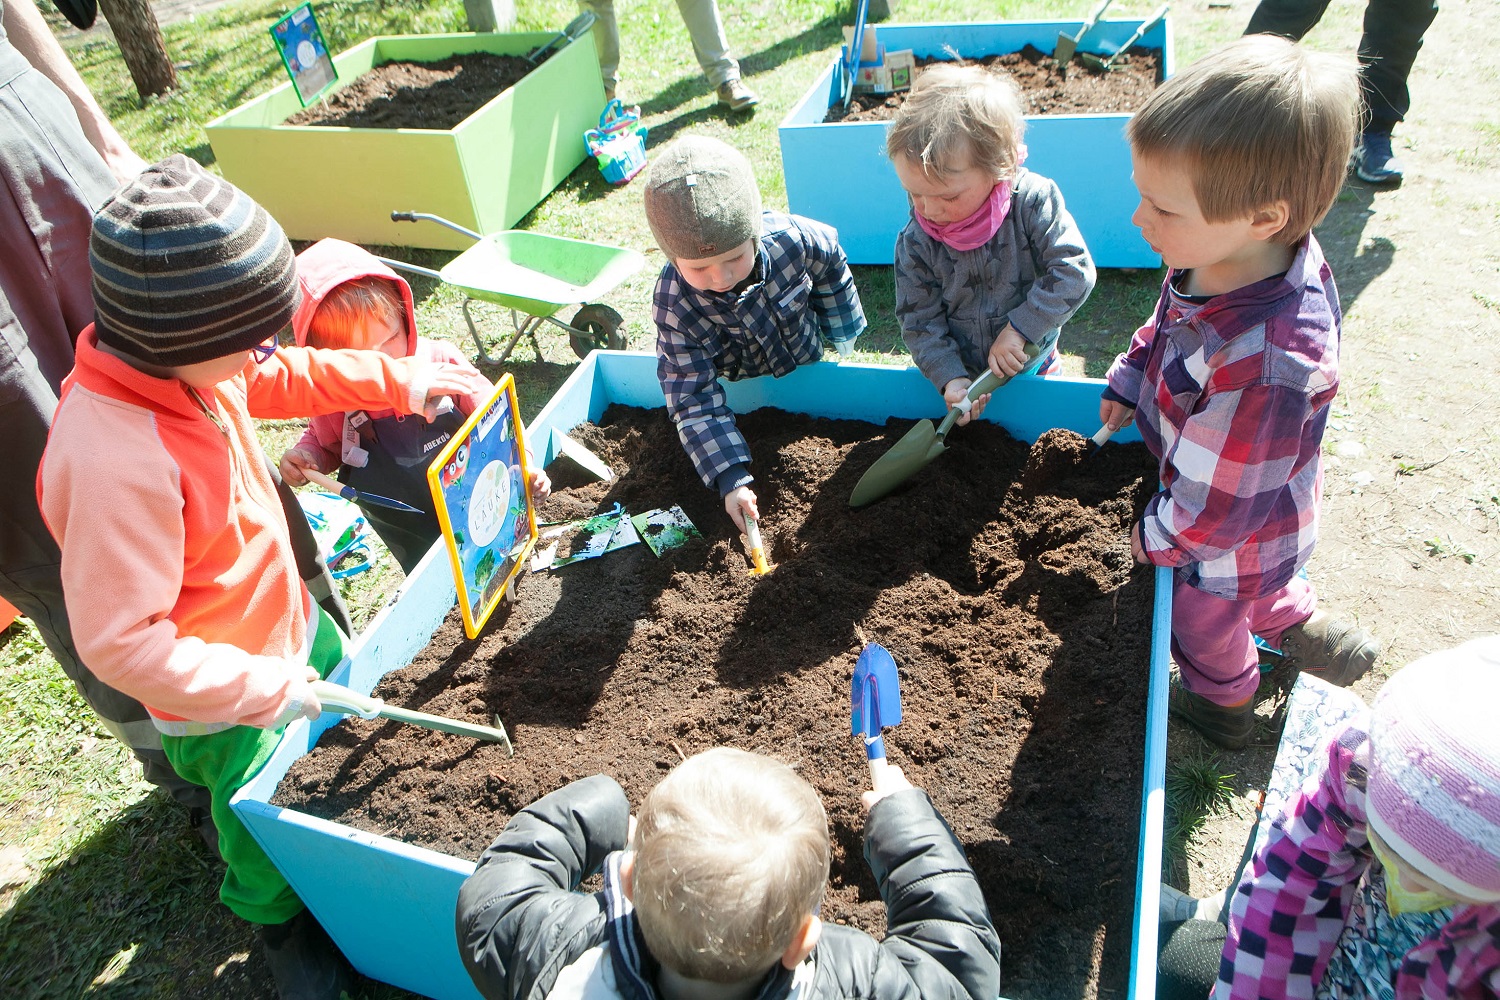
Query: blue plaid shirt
x=800, y=293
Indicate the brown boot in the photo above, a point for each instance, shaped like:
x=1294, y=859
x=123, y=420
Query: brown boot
x=1228, y=726
x=1329, y=649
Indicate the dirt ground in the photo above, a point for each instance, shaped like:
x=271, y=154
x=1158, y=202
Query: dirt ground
x=1045, y=90
x=431, y=95
x=1004, y=590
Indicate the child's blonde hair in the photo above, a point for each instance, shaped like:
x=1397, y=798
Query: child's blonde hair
x=339, y=315
x=1258, y=121
x=731, y=855
x=958, y=117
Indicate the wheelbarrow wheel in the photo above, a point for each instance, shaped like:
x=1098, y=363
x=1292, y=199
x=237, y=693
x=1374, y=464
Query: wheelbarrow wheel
x=597, y=327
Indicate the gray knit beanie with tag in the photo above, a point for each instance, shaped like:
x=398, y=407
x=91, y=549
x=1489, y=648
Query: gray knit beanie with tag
x=701, y=199
x=188, y=268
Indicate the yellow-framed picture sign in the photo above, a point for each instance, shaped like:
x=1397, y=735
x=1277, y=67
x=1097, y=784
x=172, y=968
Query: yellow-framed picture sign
x=478, y=484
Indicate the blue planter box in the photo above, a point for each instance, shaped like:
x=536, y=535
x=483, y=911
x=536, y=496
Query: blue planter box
x=389, y=906
x=838, y=173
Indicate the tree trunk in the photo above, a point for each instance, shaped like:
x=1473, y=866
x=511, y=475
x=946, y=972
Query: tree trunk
x=141, y=44
x=490, y=15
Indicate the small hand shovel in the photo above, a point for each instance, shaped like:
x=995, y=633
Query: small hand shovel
x=874, y=702
x=1068, y=44
x=760, y=564
x=337, y=698
x=1096, y=442
x=921, y=444
x=1093, y=62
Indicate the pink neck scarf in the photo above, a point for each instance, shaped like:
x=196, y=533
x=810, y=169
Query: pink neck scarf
x=979, y=228
x=976, y=230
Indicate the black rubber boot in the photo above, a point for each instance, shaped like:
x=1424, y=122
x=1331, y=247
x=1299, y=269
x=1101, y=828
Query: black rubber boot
x=304, y=961
x=1227, y=727
x=1332, y=650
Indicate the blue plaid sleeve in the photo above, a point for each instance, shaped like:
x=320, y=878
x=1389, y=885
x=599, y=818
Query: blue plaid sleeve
x=690, y=383
x=835, y=300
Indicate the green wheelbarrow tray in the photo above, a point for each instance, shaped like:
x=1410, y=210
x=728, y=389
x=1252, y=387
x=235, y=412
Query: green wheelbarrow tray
x=534, y=275
x=921, y=444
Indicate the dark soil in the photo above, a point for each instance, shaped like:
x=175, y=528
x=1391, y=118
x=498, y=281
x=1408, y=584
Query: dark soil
x=1045, y=90
x=1020, y=625
x=436, y=95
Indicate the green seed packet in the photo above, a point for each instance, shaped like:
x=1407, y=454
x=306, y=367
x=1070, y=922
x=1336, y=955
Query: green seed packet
x=665, y=529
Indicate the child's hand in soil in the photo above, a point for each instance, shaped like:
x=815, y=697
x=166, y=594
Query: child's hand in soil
x=1116, y=415
x=739, y=502
x=293, y=462
x=954, y=393
x=1008, y=353
x=890, y=780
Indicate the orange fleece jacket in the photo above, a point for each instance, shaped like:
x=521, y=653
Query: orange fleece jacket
x=177, y=568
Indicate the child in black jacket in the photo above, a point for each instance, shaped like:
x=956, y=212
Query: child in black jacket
x=714, y=894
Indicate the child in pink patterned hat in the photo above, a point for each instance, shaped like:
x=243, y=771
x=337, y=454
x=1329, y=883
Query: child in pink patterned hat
x=1382, y=877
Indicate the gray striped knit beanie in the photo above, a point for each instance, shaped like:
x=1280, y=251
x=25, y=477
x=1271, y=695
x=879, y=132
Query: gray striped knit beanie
x=188, y=268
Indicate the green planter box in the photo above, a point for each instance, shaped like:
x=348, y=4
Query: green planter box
x=484, y=174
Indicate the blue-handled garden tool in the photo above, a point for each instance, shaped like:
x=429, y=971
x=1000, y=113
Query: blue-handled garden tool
x=856, y=48
x=874, y=702
x=353, y=495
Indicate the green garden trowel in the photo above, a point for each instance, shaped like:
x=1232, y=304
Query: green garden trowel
x=921, y=444
x=337, y=698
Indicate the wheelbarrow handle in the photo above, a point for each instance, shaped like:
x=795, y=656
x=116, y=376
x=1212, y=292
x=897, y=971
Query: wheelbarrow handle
x=414, y=216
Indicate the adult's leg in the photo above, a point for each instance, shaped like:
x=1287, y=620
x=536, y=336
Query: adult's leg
x=606, y=40
x=1287, y=18
x=30, y=563
x=1392, y=37
x=310, y=563
x=711, y=48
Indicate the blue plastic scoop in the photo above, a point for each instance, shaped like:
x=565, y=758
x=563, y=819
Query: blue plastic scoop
x=874, y=701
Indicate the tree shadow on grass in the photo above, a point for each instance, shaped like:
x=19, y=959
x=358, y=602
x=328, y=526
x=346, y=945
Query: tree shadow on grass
x=133, y=912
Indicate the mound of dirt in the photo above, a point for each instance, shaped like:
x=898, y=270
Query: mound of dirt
x=1018, y=621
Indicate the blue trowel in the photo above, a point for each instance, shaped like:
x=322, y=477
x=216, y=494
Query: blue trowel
x=874, y=702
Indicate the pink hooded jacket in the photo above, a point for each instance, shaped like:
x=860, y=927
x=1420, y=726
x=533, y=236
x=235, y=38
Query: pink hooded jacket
x=321, y=268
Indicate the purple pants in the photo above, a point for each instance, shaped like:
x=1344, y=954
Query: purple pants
x=1212, y=638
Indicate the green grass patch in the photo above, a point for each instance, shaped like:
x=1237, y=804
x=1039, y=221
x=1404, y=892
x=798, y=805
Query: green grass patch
x=1197, y=788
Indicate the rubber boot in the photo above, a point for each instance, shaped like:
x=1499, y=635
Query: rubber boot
x=304, y=961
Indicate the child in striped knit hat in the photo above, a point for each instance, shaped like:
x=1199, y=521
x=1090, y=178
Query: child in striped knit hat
x=1382, y=878
x=177, y=565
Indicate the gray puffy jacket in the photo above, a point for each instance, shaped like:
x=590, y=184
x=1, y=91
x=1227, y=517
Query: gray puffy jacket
x=524, y=934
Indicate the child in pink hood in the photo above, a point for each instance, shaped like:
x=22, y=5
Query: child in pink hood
x=350, y=300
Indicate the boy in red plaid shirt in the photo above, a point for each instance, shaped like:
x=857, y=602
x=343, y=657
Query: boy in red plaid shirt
x=1236, y=159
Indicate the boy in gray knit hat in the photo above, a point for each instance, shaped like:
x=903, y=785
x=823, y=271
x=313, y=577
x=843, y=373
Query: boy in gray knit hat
x=177, y=565
x=746, y=293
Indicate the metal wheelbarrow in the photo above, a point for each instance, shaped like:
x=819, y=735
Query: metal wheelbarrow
x=534, y=275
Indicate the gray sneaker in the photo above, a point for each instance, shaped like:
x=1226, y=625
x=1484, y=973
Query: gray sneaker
x=734, y=95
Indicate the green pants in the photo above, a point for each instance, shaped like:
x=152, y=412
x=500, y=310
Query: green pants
x=223, y=762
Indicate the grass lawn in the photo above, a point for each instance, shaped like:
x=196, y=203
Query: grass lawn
x=101, y=874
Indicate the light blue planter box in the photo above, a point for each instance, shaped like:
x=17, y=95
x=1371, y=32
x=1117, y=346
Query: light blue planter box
x=838, y=173
x=389, y=906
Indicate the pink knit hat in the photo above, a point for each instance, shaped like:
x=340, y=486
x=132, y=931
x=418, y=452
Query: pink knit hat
x=1434, y=788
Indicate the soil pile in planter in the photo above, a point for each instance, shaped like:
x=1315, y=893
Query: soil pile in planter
x=431, y=95
x=1044, y=89
x=1019, y=623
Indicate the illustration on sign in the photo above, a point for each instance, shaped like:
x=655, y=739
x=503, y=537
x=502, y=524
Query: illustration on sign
x=478, y=484
x=299, y=40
